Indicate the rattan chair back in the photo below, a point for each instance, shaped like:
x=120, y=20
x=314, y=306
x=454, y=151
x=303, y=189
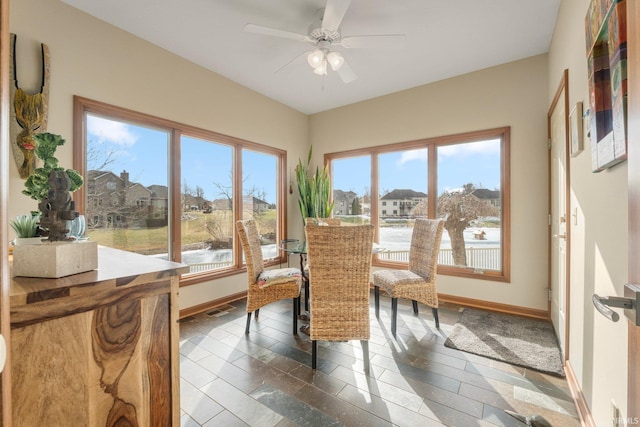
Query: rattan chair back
x=339, y=268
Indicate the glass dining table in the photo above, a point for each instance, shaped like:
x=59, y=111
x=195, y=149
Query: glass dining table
x=293, y=247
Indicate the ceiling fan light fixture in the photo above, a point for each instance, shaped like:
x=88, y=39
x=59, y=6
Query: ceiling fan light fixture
x=315, y=58
x=336, y=60
x=321, y=69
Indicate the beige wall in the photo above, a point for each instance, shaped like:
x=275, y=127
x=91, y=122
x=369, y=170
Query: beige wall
x=598, y=347
x=95, y=60
x=98, y=61
x=508, y=95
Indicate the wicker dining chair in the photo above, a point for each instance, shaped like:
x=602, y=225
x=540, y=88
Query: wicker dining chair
x=418, y=282
x=339, y=272
x=305, y=276
x=266, y=286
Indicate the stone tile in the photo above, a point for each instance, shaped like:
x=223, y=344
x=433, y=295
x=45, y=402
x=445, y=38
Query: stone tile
x=238, y=377
x=193, y=373
x=449, y=416
x=345, y=412
x=545, y=401
x=499, y=417
x=226, y=419
x=430, y=393
x=283, y=363
x=187, y=421
x=290, y=407
x=192, y=350
x=429, y=377
x=318, y=379
x=240, y=404
x=265, y=378
x=218, y=348
x=396, y=414
x=196, y=404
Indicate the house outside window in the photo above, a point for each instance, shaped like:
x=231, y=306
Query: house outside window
x=462, y=179
x=139, y=201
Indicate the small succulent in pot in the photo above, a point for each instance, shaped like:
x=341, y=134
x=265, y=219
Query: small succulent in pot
x=25, y=225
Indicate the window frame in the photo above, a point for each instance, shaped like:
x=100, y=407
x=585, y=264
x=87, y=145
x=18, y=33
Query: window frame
x=82, y=106
x=501, y=133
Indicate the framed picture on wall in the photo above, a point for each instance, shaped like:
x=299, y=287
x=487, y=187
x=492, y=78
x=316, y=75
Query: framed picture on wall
x=575, y=131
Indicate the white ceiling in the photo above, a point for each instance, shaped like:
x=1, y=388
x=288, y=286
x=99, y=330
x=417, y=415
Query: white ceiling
x=444, y=38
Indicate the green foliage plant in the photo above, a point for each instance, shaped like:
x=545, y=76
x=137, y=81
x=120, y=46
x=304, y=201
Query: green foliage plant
x=314, y=190
x=37, y=184
x=25, y=225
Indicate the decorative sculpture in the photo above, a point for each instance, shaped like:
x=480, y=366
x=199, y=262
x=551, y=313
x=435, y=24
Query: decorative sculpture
x=58, y=207
x=28, y=115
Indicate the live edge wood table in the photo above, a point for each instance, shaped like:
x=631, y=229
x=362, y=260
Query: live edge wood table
x=98, y=348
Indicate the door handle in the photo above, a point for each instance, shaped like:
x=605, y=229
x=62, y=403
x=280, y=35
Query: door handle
x=629, y=302
x=560, y=236
x=602, y=304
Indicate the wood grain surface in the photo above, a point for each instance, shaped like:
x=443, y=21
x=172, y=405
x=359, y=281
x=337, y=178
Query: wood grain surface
x=97, y=353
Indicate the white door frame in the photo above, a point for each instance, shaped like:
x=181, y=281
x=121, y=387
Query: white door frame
x=561, y=96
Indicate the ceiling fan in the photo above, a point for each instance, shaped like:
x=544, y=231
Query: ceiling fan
x=324, y=34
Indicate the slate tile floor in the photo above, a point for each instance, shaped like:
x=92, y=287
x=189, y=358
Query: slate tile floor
x=265, y=378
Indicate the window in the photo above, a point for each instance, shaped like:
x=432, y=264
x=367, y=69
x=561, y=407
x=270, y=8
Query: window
x=206, y=201
x=259, y=197
x=140, y=200
x=462, y=179
x=352, y=203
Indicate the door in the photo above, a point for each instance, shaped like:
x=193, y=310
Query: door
x=558, y=208
x=633, y=82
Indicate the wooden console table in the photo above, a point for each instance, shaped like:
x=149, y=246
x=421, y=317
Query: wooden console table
x=99, y=348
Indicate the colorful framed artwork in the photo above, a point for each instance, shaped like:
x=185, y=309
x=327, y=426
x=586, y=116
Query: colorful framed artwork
x=606, y=39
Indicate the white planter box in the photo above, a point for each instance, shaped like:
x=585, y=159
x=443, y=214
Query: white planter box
x=28, y=241
x=55, y=259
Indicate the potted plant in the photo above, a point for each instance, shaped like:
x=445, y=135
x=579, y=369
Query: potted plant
x=314, y=191
x=26, y=228
x=38, y=186
x=51, y=186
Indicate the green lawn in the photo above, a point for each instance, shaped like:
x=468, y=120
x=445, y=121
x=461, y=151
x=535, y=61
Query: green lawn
x=193, y=230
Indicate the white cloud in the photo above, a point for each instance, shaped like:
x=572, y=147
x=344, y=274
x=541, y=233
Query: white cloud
x=407, y=156
x=483, y=147
x=110, y=131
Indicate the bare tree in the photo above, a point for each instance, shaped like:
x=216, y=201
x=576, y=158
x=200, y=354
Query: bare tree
x=459, y=209
x=97, y=159
x=186, y=192
x=199, y=192
x=226, y=190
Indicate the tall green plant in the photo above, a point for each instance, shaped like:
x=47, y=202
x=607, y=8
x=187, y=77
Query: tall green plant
x=314, y=191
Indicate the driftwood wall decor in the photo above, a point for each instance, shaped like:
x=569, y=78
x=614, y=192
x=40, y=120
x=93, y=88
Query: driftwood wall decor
x=28, y=113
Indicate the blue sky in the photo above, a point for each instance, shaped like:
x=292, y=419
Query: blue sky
x=143, y=153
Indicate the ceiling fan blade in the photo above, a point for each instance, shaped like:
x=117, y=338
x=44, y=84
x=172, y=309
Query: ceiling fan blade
x=346, y=73
x=268, y=31
x=333, y=14
x=379, y=41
